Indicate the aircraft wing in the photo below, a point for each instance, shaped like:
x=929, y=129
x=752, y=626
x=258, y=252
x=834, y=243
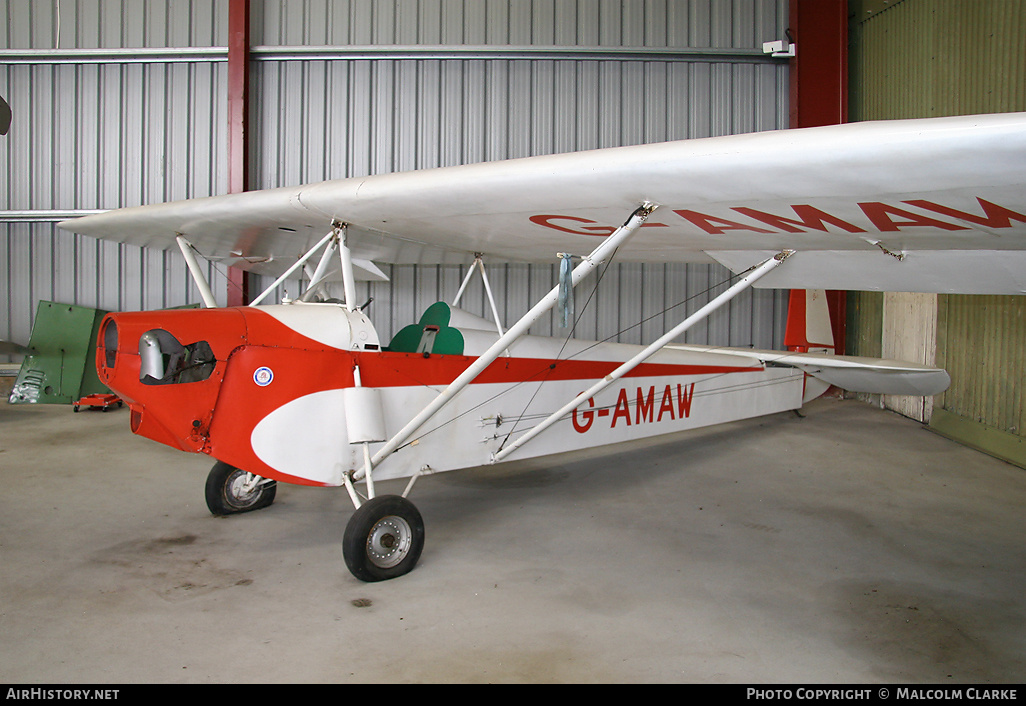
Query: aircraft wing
x=923, y=205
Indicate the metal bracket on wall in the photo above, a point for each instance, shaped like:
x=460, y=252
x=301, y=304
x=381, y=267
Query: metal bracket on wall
x=780, y=49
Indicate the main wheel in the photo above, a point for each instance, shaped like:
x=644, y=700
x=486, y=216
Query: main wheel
x=227, y=492
x=383, y=539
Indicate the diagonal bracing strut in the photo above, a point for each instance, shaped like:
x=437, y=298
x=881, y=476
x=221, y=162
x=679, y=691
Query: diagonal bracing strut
x=598, y=256
x=299, y=263
x=741, y=285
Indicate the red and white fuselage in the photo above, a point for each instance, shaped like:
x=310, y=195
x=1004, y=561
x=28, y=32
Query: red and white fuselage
x=270, y=390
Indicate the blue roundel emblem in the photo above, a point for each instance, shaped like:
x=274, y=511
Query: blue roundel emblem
x=263, y=376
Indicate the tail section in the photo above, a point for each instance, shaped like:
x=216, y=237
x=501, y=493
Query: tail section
x=810, y=329
x=809, y=325
x=814, y=339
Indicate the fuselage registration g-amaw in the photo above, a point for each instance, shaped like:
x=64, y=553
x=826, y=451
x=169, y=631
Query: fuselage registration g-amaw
x=305, y=392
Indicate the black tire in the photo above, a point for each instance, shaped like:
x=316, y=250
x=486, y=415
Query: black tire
x=225, y=497
x=383, y=539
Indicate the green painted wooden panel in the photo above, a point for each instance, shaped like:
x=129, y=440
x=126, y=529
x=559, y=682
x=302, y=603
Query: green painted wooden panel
x=63, y=367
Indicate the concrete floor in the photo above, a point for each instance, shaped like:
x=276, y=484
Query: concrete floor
x=850, y=545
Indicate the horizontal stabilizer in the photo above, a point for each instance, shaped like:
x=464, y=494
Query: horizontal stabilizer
x=877, y=376
x=852, y=373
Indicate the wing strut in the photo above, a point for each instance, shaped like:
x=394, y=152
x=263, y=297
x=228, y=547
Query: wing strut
x=346, y=257
x=479, y=265
x=598, y=256
x=189, y=253
x=299, y=263
x=336, y=239
x=318, y=275
x=741, y=285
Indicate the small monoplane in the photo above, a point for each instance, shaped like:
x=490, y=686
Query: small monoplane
x=306, y=392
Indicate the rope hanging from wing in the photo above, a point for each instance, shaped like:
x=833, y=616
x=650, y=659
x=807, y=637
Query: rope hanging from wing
x=566, y=289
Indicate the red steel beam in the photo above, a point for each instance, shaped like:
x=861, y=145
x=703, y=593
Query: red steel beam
x=819, y=90
x=238, y=126
x=819, y=71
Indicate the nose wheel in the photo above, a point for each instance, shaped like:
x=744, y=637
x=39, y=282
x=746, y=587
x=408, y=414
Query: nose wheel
x=383, y=539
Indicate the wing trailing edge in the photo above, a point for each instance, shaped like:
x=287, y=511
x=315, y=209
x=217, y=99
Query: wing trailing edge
x=937, y=271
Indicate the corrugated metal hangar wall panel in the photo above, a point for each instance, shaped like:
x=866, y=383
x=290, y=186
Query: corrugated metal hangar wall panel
x=583, y=23
x=130, y=108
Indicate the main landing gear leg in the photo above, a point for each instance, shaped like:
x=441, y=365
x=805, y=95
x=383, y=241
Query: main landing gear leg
x=385, y=535
x=231, y=490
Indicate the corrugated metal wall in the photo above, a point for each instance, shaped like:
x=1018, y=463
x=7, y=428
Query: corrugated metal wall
x=357, y=87
x=918, y=58
x=984, y=341
x=96, y=131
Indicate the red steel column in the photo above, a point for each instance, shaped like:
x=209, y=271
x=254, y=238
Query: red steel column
x=238, y=125
x=819, y=89
x=819, y=71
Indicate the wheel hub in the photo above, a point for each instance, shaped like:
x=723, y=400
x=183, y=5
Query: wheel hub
x=241, y=492
x=389, y=541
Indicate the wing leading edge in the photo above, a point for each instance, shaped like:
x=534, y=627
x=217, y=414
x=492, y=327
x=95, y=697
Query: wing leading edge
x=921, y=205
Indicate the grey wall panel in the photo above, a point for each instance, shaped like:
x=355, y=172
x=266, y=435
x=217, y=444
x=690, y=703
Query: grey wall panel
x=334, y=119
x=98, y=136
x=42, y=262
x=110, y=135
x=586, y=23
x=412, y=114
x=134, y=130
x=88, y=24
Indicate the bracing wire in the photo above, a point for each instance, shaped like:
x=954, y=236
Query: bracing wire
x=549, y=368
x=552, y=366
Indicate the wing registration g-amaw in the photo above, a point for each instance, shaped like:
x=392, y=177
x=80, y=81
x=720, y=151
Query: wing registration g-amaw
x=307, y=393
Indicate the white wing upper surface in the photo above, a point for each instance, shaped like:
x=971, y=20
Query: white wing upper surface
x=922, y=205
